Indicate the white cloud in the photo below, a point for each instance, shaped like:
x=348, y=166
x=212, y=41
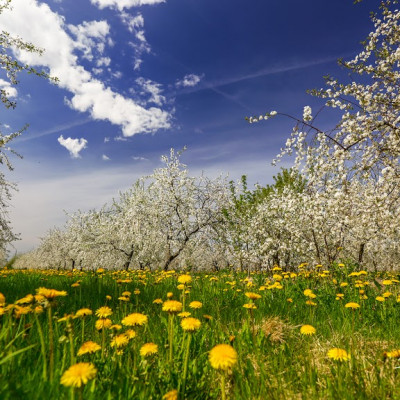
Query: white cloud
x=105, y=158
x=74, y=146
x=140, y=158
x=11, y=91
x=189, y=80
x=120, y=139
x=148, y=87
x=90, y=35
x=135, y=25
x=121, y=4
x=103, y=61
x=47, y=29
x=106, y=139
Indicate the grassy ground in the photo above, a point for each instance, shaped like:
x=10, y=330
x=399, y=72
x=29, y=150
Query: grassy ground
x=275, y=360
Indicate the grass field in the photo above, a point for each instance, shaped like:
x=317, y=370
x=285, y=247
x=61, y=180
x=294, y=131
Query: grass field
x=311, y=333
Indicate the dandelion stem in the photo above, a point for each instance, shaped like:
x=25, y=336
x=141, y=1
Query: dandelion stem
x=51, y=343
x=223, y=394
x=42, y=347
x=185, y=364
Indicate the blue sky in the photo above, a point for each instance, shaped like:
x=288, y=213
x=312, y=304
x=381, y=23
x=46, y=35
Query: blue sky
x=138, y=77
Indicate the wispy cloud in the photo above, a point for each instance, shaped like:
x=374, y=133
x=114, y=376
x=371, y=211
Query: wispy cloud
x=121, y=4
x=189, y=80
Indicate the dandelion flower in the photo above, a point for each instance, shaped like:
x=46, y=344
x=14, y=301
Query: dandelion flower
x=195, y=304
x=169, y=295
x=126, y=293
x=119, y=341
x=190, y=324
x=148, y=349
x=26, y=300
x=338, y=354
x=130, y=333
x=135, y=319
x=157, y=301
x=307, y=330
x=103, y=323
x=104, y=312
x=380, y=298
x=222, y=357
x=184, y=279
x=171, y=395
x=352, y=305
x=184, y=314
x=392, y=354
x=88, y=348
x=311, y=303
x=250, y=306
x=78, y=374
x=252, y=296
x=172, y=306
x=2, y=299
x=83, y=312
x=387, y=282
x=50, y=293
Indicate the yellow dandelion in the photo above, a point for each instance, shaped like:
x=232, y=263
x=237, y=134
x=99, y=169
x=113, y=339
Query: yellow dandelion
x=83, y=312
x=207, y=317
x=126, y=293
x=171, y=395
x=2, y=299
x=103, y=323
x=252, y=296
x=387, y=282
x=170, y=295
x=352, y=305
x=88, y=348
x=190, y=324
x=157, y=301
x=108, y=297
x=76, y=284
x=130, y=333
x=310, y=303
x=135, y=319
x=392, y=354
x=116, y=327
x=50, y=293
x=307, y=330
x=148, y=349
x=104, y=312
x=380, y=298
x=289, y=300
x=338, y=354
x=26, y=300
x=136, y=291
x=119, y=341
x=37, y=310
x=195, y=304
x=172, y=306
x=184, y=314
x=184, y=279
x=250, y=306
x=222, y=357
x=123, y=298
x=78, y=374
x=386, y=295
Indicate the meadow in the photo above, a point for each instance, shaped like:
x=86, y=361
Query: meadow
x=310, y=333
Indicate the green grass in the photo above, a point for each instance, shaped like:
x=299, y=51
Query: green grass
x=274, y=360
